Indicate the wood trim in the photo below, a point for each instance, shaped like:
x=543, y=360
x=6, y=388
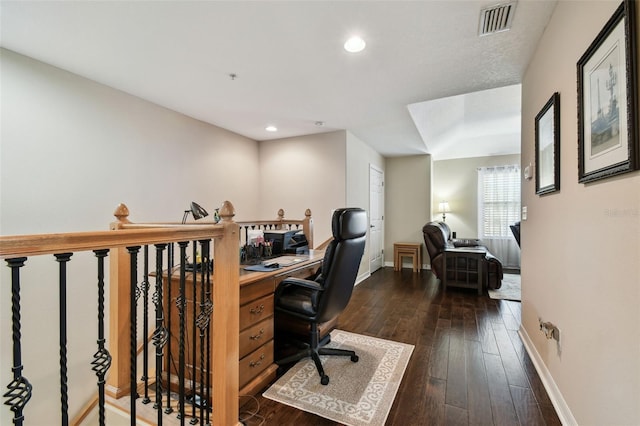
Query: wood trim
x=85, y=411
x=226, y=324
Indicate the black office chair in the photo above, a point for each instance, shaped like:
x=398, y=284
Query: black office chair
x=328, y=294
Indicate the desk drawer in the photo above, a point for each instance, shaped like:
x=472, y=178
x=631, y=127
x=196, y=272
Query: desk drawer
x=258, y=289
x=254, y=363
x=254, y=337
x=256, y=311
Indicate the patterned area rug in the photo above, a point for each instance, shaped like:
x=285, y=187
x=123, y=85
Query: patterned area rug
x=358, y=394
x=510, y=289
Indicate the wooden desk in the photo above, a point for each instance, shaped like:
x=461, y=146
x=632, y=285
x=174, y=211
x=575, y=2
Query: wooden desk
x=256, y=347
x=463, y=267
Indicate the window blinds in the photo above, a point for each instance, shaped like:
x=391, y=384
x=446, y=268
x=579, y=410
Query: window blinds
x=498, y=200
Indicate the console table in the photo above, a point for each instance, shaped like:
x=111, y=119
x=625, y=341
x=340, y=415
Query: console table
x=257, y=366
x=463, y=267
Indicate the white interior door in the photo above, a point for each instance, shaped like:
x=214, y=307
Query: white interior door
x=376, y=216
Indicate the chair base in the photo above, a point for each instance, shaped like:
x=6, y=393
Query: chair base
x=314, y=349
x=315, y=353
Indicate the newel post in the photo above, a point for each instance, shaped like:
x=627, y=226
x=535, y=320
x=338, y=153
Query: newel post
x=226, y=321
x=280, y=218
x=307, y=227
x=118, y=382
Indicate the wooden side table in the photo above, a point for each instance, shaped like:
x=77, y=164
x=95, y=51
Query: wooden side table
x=411, y=250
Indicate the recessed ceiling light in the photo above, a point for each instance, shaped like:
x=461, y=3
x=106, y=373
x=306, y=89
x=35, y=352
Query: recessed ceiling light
x=271, y=129
x=354, y=45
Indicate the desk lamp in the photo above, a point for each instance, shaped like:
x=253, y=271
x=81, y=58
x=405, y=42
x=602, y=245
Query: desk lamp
x=196, y=210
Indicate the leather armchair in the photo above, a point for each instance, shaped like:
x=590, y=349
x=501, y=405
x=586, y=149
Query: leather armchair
x=437, y=237
x=319, y=301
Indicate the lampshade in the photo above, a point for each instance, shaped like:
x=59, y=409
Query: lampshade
x=443, y=208
x=196, y=210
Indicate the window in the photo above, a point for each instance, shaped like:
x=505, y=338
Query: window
x=498, y=201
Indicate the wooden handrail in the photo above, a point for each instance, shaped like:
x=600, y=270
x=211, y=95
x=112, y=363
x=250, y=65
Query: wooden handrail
x=128, y=234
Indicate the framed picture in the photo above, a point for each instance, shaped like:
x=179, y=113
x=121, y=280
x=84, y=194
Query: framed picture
x=548, y=147
x=607, y=90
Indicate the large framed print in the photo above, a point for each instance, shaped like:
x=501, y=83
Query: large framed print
x=607, y=90
x=548, y=147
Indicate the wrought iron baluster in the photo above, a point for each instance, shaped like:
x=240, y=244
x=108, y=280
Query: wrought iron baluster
x=208, y=311
x=160, y=333
x=133, y=325
x=102, y=358
x=145, y=325
x=169, y=410
x=194, y=419
x=181, y=304
x=62, y=259
x=203, y=321
x=19, y=389
x=200, y=324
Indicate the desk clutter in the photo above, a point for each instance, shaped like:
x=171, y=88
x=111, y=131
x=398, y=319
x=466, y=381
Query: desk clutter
x=276, y=263
x=263, y=245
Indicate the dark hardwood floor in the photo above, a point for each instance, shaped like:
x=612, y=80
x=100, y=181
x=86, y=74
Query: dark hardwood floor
x=468, y=366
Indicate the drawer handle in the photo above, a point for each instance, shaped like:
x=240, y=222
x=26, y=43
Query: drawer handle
x=256, y=363
x=257, y=336
x=257, y=310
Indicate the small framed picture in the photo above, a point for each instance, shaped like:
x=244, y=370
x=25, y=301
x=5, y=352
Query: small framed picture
x=548, y=147
x=607, y=90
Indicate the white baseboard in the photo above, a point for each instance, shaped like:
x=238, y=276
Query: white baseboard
x=424, y=266
x=362, y=277
x=562, y=409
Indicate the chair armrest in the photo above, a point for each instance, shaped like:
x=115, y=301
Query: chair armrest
x=465, y=242
x=297, y=282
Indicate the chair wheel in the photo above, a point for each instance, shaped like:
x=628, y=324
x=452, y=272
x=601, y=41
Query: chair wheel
x=324, y=380
x=354, y=358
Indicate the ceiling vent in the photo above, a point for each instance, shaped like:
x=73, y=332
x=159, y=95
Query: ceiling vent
x=495, y=19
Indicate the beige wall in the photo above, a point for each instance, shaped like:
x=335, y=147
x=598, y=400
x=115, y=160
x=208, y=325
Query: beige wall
x=306, y=172
x=71, y=150
x=580, y=247
x=407, y=202
x=321, y=172
x=456, y=181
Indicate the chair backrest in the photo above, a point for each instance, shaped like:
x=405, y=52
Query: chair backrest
x=341, y=261
x=436, y=236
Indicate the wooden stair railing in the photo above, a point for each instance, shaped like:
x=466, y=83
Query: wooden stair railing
x=112, y=245
x=305, y=225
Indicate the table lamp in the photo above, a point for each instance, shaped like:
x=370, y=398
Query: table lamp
x=443, y=208
x=196, y=210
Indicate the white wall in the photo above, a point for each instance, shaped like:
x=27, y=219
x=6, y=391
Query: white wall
x=580, y=246
x=407, y=202
x=71, y=150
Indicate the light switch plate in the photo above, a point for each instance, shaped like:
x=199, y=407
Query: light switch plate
x=524, y=212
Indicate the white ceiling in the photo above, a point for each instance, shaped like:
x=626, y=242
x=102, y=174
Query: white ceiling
x=291, y=68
